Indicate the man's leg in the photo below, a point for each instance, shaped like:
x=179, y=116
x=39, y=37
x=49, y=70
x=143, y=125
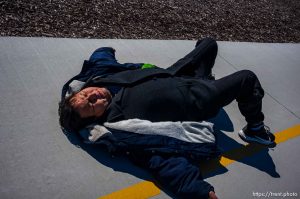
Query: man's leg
x=199, y=62
x=245, y=87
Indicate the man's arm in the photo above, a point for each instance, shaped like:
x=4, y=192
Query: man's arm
x=179, y=176
x=105, y=57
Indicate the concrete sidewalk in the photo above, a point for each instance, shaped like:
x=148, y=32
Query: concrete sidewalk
x=38, y=160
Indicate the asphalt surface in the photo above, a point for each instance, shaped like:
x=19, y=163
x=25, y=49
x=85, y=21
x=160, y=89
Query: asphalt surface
x=38, y=160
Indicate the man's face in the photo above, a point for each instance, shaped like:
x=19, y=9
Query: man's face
x=91, y=101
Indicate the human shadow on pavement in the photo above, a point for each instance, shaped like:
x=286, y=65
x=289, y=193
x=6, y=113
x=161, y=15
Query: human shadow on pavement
x=117, y=163
x=254, y=155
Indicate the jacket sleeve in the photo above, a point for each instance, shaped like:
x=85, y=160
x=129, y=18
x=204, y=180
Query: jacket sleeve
x=106, y=56
x=103, y=54
x=179, y=176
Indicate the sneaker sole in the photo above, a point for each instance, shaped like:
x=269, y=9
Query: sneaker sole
x=255, y=139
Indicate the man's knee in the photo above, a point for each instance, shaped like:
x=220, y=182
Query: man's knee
x=252, y=83
x=248, y=74
x=210, y=48
x=207, y=41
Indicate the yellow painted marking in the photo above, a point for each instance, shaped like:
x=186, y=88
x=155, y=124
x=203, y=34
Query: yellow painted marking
x=146, y=189
x=249, y=150
x=140, y=190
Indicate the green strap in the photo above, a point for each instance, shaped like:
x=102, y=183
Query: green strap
x=146, y=65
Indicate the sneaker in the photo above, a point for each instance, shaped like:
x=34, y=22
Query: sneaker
x=261, y=136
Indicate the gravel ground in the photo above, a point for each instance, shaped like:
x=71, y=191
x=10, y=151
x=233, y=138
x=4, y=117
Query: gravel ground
x=225, y=20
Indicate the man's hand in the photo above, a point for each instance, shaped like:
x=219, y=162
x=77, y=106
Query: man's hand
x=212, y=195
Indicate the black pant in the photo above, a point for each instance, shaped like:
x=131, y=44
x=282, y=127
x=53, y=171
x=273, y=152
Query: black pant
x=242, y=86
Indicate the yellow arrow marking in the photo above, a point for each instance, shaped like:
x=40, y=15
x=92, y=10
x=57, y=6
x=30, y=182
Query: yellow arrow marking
x=146, y=189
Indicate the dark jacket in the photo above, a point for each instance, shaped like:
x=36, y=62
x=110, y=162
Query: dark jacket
x=171, y=161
